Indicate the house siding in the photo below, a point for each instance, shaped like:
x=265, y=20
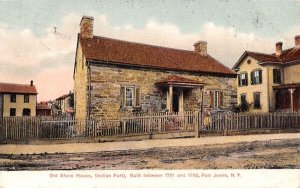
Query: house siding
x=292, y=74
x=19, y=104
x=106, y=81
x=250, y=89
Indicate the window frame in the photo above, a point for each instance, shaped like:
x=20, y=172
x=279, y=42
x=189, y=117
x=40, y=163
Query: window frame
x=254, y=100
x=243, y=101
x=135, y=98
x=26, y=98
x=256, y=79
x=132, y=98
x=275, y=76
x=217, y=100
x=240, y=80
x=13, y=98
x=29, y=110
x=10, y=112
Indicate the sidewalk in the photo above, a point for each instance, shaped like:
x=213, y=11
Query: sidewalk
x=138, y=145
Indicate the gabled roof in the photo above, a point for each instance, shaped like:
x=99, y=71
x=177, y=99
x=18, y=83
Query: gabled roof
x=287, y=56
x=63, y=96
x=112, y=51
x=17, y=88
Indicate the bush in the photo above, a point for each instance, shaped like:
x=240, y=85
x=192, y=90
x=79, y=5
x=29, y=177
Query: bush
x=243, y=107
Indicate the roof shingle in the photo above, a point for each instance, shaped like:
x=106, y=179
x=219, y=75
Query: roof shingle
x=17, y=88
x=144, y=55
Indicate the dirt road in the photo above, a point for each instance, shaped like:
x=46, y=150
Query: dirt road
x=246, y=155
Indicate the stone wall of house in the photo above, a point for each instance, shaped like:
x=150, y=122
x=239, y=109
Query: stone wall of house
x=80, y=85
x=106, y=82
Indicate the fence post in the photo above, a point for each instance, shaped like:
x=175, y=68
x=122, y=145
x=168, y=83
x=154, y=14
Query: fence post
x=197, y=124
x=225, y=128
x=124, y=127
x=149, y=125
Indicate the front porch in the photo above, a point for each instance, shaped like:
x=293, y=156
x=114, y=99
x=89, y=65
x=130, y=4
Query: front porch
x=287, y=97
x=175, y=86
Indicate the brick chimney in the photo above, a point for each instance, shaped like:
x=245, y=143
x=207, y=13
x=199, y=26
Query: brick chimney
x=200, y=47
x=278, y=48
x=86, y=27
x=297, y=41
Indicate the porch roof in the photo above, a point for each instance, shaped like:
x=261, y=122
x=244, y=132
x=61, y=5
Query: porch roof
x=287, y=86
x=180, y=82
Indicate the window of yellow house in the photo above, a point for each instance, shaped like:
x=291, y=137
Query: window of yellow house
x=256, y=77
x=26, y=98
x=243, y=99
x=256, y=97
x=12, y=112
x=13, y=98
x=26, y=112
x=243, y=79
x=277, y=76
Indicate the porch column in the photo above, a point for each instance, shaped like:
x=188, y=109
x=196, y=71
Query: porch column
x=292, y=98
x=181, y=100
x=170, y=99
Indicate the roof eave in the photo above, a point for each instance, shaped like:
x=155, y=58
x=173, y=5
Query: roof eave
x=233, y=74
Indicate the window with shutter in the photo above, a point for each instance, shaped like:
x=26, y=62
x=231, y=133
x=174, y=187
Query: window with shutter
x=256, y=77
x=243, y=99
x=220, y=98
x=243, y=79
x=256, y=97
x=277, y=76
x=216, y=98
x=130, y=96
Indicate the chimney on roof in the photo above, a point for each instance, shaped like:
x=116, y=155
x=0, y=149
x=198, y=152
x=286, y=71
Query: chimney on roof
x=200, y=47
x=31, y=83
x=278, y=48
x=297, y=41
x=86, y=26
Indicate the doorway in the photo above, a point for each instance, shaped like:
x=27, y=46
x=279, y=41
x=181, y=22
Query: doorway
x=175, y=101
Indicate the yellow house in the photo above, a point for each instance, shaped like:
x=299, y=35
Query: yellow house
x=17, y=100
x=271, y=82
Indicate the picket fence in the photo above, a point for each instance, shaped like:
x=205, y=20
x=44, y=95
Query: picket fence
x=143, y=124
x=71, y=128
x=226, y=122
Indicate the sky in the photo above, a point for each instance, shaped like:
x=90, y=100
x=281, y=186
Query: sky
x=38, y=37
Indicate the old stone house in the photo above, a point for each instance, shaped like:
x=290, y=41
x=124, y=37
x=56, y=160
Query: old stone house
x=17, y=99
x=271, y=82
x=113, y=77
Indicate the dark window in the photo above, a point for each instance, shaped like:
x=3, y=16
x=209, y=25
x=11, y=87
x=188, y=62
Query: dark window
x=26, y=112
x=243, y=99
x=256, y=77
x=26, y=98
x=277, y=76
x=243, y=79
x=256, y=97
x=12, y=112
x=13, y=98
x=130, y=96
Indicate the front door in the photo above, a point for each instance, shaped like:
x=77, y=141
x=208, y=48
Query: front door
x=175, y=101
